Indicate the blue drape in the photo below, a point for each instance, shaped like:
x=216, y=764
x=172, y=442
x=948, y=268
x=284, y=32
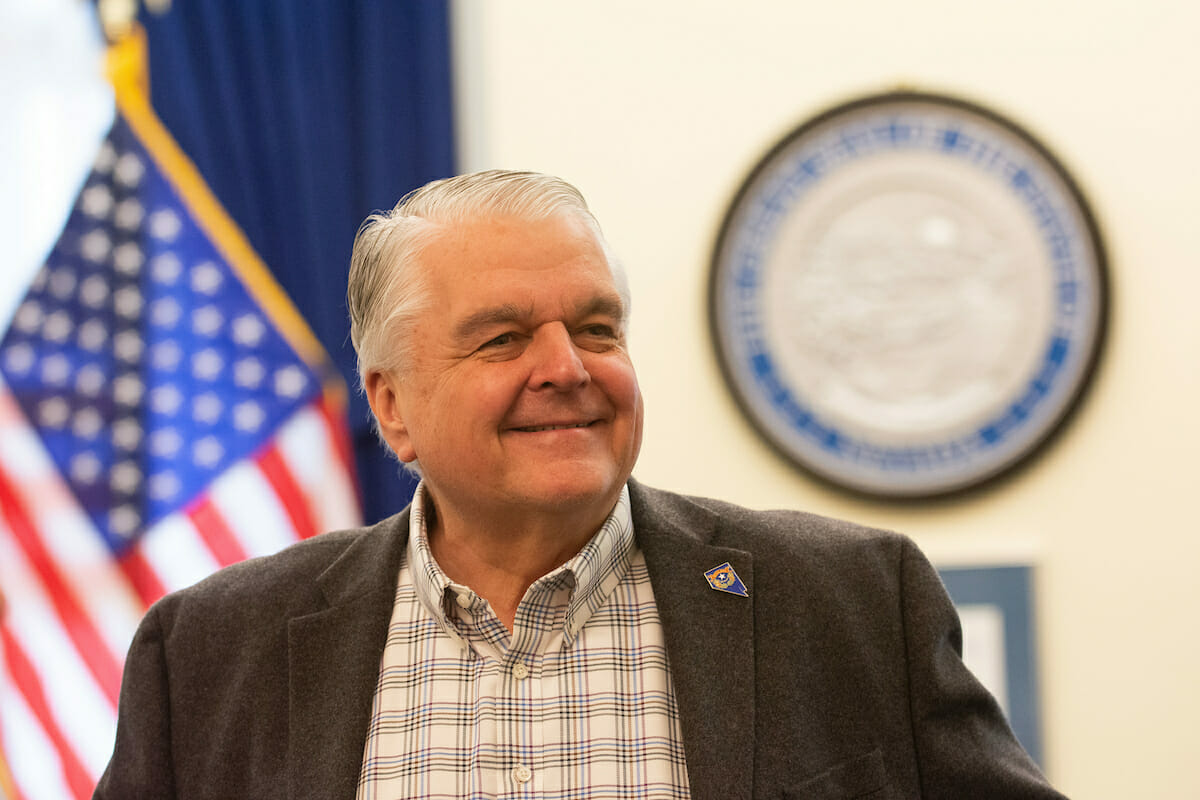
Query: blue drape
x=304, y=117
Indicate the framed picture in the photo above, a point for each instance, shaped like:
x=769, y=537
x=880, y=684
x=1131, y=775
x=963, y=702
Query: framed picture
x=995, y=606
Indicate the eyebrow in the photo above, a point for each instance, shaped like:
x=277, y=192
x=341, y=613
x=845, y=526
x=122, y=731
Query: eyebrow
x=486, y=318
x=472, y=325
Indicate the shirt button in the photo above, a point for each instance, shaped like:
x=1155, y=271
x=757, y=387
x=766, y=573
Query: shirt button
x=522, y=773
x=463, y=600
x=520, y=672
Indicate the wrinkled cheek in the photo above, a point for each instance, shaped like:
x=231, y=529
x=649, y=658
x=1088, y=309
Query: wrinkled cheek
x=639, y=413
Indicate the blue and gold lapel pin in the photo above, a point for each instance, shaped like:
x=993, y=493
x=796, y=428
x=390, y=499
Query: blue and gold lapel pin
x=724, y=579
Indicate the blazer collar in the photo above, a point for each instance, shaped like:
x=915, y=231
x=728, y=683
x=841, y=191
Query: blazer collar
x=334, y=652
x=709, y=638
x=333, y=662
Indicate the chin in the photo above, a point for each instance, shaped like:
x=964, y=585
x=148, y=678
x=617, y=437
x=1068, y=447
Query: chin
x=566, y=492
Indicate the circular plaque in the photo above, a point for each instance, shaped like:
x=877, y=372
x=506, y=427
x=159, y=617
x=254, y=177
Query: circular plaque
x=908, y=295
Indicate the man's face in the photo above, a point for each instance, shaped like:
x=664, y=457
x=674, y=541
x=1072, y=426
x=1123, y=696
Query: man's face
x=520, y=395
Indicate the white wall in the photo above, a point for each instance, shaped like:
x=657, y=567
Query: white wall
x=658, y=109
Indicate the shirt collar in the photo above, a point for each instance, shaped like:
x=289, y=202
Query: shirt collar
x=594, y=572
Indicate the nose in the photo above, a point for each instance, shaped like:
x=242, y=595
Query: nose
x=555, y=361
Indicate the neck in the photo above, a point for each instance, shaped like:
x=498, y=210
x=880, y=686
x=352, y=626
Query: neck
x=499, y=559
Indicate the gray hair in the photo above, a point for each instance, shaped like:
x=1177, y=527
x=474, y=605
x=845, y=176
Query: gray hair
x=387, y=290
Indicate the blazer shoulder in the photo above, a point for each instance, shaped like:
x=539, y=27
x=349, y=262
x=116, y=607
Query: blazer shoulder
x=290, y=581
x=773, y=531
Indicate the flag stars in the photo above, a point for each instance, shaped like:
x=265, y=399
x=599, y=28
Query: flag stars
x=128, y=170
x=164, y=485
x=19, y=359
x=96, y=201
x=128, y=389
x=125, y=478
x=128, y=346
x=248, y=416
x=165, y=400
x=58, y=327
x=28, y=318
x=207, y=408
x=132, y=282
x=166, y=443
x=165, y=225
x=207, y=365
x=89, y=380
x=128, y=258
x=207, y=321
x=124, y=521
x=54, y=412
x=106, y=158
x=290, y=382
x=127, y=434
x=166, y=269
x=128, y=302
x=208, y=452
x=62, y=283
x=87, y=423
x=56, y=369
x=248, y=373
x=129, y=214
x=206, y=278
x=166, y=355
x=93, y=291
x=92, y=335
x=248, y=330
x=165, y=312
x=85, y=468
x=95, y=246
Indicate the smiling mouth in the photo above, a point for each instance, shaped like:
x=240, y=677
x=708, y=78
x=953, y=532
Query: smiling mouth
x=540, y=428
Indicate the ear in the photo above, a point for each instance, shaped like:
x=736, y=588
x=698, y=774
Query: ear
x=385, y=399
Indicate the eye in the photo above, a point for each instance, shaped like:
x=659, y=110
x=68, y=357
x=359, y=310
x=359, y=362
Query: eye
x=600, y=330
x=503, y=346
x=597, y=337
x=499, y=341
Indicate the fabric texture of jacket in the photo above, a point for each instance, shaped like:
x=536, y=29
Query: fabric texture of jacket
x=838, y=677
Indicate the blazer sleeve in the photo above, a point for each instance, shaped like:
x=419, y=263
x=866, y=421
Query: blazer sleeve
x=141, y=763
x=964, y=745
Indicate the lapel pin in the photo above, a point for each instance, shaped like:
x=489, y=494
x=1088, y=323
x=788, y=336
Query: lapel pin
x=724, y=579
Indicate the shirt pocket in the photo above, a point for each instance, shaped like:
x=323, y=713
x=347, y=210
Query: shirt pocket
x=860, y=777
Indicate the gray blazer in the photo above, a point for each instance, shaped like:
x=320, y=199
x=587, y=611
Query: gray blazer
x=838, y=677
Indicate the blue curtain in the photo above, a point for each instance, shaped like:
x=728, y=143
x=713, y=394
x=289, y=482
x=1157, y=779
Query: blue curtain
x=304, y=117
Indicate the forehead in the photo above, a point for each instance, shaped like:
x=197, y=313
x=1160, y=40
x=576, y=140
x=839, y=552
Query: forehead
x=513, y=260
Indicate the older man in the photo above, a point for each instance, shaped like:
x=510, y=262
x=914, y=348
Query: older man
x=538, y=624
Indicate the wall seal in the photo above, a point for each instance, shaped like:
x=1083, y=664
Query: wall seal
x=908, y=295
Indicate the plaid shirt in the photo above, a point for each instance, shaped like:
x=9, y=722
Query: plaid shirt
x=576, y=703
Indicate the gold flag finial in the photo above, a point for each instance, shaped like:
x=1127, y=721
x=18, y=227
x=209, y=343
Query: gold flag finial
x=126, y=64
x=119, y=17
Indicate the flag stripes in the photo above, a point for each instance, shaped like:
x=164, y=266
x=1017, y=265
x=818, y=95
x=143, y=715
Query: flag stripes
x=142, y=579
x=57, y=639
x=27, y=682
x=286, y=489
x=104, y=667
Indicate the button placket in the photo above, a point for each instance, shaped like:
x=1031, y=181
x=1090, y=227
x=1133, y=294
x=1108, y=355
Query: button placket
x=526, y=691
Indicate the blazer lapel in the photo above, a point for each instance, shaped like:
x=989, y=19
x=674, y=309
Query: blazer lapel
x=709, y=636
x=333, y=663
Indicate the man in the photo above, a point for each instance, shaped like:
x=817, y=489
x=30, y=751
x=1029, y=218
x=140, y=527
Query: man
x=538, y=624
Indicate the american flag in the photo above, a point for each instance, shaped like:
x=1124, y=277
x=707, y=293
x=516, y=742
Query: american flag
x=163, y=412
